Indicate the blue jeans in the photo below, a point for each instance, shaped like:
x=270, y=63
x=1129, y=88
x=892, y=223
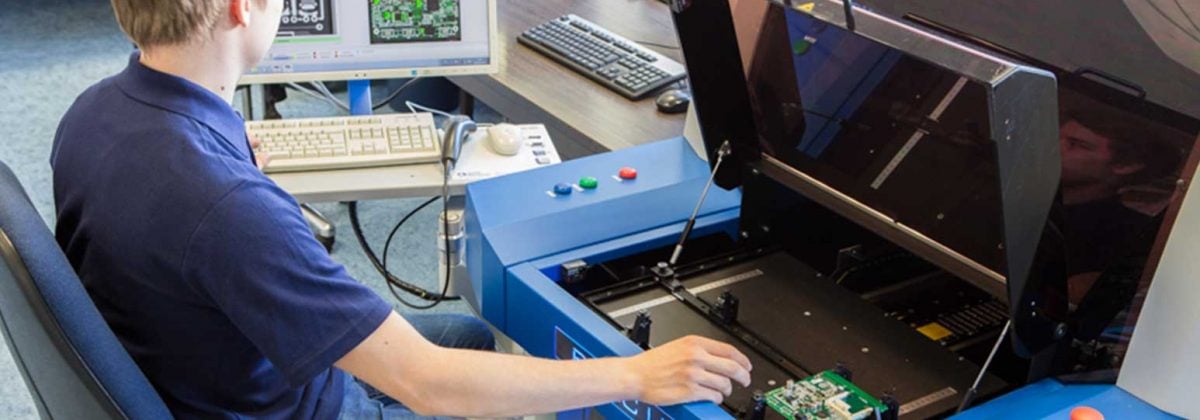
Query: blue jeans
x=362, y=401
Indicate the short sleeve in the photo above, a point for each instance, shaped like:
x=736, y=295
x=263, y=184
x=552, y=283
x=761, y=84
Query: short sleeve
x=254, y=257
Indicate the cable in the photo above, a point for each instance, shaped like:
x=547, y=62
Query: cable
x=413, y=107
x=1168, y=18
x=396, y=93
x=320, y=87
x=317, y=95
x=440, y=297
x=392, y=281
x=1187, y=16
x=970, y=395
x=323, y=93
x=387, y=244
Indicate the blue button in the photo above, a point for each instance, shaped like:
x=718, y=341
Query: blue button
x=562, y=188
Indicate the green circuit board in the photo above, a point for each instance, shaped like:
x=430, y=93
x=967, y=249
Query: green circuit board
x=395, y=21
x=823, y=396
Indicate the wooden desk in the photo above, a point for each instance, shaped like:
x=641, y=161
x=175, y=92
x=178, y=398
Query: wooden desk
x=582, y=116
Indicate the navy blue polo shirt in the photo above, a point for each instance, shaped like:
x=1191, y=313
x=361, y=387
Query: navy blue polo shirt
x=203, y=267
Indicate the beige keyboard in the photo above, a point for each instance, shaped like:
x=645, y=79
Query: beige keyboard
x=347, y=142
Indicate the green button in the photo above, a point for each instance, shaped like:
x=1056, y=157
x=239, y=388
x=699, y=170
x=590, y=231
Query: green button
x=588, y=182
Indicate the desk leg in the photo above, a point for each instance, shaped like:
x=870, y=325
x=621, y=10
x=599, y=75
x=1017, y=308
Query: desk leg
x=322, y=229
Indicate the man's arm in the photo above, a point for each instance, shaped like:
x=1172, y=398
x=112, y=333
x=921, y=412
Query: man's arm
x=432, y=380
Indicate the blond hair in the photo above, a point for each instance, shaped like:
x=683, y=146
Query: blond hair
x=167, y=22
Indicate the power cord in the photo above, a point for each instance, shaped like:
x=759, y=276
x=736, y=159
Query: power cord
x=436, y=298
x=440, y=297
x=413, y=107
x=396, y=93
x=318, y=95
x=394, y=282
x=320, y=87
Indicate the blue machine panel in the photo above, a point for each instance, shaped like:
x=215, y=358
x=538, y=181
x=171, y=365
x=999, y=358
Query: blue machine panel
x=519, y=218
x=1050, y=399
x=566, y=348
x=541, y=311
x=519, y=231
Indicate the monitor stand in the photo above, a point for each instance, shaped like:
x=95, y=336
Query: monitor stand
x=360, y=96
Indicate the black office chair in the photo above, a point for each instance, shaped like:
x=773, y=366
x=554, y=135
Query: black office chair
x=71, y=361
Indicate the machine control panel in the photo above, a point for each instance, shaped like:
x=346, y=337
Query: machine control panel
x=652, y=170
x=585, y=183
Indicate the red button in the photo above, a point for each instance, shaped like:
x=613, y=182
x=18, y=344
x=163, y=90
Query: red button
x=627, y=173
x=1086, y=413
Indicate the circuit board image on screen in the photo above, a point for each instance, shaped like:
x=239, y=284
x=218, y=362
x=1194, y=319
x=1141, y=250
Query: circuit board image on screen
x=306, y=17
x=395, y=21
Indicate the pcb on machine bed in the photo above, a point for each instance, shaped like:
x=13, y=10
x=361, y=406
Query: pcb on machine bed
x=816, y=324
x=823, y=396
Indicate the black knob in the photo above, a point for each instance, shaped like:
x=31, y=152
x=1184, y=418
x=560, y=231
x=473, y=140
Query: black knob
x=726, y=309
x=758, y=407
x=640, y=333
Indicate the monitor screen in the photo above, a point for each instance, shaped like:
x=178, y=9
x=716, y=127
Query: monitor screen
x=371, y=39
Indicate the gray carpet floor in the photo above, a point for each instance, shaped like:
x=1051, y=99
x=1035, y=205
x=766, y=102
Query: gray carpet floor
x=54, y=49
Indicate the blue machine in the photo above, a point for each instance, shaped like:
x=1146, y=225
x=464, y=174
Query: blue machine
x=520, y=232
x=891, y=191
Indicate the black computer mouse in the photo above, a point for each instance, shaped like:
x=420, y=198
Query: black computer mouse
x=673, y=101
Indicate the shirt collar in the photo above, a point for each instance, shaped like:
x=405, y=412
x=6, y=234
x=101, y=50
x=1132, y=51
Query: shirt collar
x=181, y=96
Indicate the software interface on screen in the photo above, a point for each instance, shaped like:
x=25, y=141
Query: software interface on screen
x=338, y=36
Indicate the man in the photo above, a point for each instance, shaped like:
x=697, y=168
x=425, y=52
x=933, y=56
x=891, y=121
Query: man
x=1103, y=153
x=207, y=273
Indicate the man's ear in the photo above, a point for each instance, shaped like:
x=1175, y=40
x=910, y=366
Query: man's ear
x=239, y=12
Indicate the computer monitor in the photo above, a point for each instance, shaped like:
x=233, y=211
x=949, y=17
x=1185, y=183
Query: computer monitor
x=379, y=39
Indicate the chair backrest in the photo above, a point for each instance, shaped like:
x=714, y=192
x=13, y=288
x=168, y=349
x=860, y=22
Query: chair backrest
x=72, y=362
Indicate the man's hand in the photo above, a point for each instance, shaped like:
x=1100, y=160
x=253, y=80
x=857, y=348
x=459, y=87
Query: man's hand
x=435, y=381
x=261, y=157
x=689, y=369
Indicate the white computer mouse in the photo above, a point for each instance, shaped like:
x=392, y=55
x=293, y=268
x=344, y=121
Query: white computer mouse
x=505, y=139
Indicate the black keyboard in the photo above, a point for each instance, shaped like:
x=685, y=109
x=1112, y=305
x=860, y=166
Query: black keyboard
x=610, y=59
